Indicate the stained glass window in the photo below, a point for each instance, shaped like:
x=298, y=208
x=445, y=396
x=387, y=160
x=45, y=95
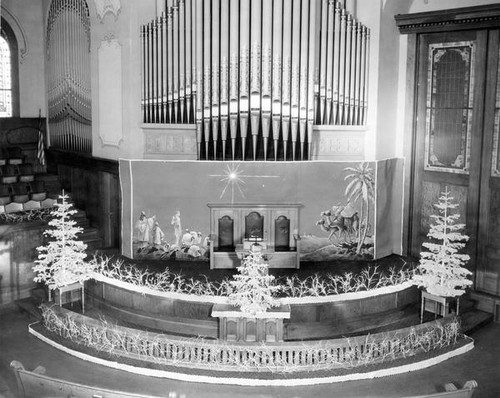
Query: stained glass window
x=5, y=79
x=449, y=107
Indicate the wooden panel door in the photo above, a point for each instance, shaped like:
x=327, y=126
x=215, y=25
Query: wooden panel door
x=488, y=245
x=448, y=129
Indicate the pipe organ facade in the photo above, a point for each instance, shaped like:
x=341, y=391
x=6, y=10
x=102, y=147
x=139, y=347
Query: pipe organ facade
x=68, y=85
x=255, y=75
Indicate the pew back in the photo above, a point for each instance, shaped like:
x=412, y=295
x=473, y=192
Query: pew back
x=35, y=384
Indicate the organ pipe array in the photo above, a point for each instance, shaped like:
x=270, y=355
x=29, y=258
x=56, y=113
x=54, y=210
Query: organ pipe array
x=255, y=75
x=68, y=55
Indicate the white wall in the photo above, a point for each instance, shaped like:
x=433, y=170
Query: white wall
x=118, y=36
x=434, y=5
x=25, y=18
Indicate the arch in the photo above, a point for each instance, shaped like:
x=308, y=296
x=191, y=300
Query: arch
x=254, y=226
x=7, y=33
x=226, y=233
x=18, y=31
x=282, y=233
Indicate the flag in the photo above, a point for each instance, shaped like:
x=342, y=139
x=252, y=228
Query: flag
x=40, y=153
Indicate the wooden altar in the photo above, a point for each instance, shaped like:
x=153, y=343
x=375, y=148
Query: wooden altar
x=235, y=325
x=273, y=228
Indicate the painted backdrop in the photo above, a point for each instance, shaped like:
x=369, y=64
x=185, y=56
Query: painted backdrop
x=349, y=210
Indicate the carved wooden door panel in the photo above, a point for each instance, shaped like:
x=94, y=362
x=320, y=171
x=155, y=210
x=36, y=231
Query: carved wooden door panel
x=449, y=129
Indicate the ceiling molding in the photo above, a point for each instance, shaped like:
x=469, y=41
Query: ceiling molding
x=478, y=17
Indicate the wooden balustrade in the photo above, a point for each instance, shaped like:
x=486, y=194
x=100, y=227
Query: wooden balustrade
x=226, y=356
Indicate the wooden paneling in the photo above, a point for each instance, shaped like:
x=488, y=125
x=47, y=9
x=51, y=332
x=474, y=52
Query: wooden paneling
x=488, y=260
x=95, y=188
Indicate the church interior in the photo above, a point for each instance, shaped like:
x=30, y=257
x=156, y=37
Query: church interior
x=249, y=198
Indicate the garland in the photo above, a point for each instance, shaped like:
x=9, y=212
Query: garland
x=315, y=285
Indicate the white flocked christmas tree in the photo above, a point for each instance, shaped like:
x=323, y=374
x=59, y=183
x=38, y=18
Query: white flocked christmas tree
x=62, y=261
x=441, y=266
x=253, y=289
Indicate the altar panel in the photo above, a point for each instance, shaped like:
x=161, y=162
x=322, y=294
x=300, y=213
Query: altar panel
x=271, y=229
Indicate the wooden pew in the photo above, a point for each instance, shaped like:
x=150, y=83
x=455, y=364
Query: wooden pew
x=35, y=384
x=451, y=391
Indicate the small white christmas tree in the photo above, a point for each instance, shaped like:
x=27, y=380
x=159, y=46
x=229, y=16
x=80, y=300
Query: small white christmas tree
x=253, y=287
x=62, y=261
x=441, y=272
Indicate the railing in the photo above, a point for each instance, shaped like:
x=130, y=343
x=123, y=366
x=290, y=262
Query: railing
x=225, y=356
x=255, y=75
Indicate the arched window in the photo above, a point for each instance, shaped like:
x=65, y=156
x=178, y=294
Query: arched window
x=9, y=101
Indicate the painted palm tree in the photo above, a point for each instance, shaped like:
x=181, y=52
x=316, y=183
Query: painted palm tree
x=361, y=188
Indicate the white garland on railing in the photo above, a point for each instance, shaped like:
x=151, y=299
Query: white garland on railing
x=220, y=355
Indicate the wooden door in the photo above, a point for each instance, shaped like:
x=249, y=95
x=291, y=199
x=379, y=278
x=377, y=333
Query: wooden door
x=488, y=244
x=448, y=136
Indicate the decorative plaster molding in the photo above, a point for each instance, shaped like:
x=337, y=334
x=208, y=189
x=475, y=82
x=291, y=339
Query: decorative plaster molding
x=110, y=92
x=338, y=143
x=107, y=6
x=165, y=144
x=109, y=37
x=22, y=43
x=170, y=141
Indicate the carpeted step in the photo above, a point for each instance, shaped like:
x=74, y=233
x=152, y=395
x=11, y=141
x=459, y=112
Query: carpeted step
x=394, y=319
x=473, y=320
x=93, y=244
x=30, y=306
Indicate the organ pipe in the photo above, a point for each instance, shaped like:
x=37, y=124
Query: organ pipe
x=244, y=102
x=304, y=71
x=224, y=73
x=255, y=70
x=286, y=74
x=182, y=63
x=199, y=76
x=68, y=65
x=207, y=86
x=266, y=68
x=215, y=69
x=276, y=72
x=234, y=74
x=254, y=75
